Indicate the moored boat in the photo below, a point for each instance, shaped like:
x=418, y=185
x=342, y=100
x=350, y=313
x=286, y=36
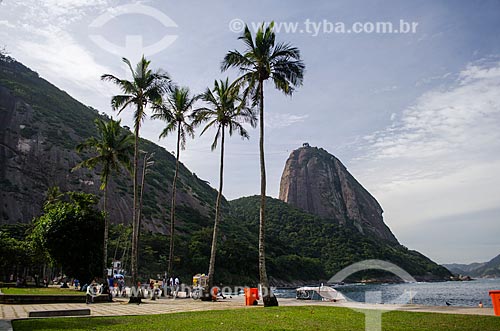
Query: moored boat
x=324, y=293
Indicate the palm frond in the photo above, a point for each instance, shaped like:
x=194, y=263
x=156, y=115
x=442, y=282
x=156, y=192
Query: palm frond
x=216, y=138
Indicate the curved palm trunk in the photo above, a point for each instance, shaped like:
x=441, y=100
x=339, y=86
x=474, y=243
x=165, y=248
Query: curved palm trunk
x=172, y=208
x=106, y=231
x=135, y=232
x=211, y=269
x=267, y=297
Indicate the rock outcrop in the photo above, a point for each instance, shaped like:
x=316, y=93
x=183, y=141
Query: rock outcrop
x=319, y=183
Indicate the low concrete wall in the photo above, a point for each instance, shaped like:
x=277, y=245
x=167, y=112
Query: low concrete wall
x=56, y=313
x=40, y=299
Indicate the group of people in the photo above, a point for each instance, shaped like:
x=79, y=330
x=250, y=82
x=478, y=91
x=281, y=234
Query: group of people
x=118, y=284
x=171, y=286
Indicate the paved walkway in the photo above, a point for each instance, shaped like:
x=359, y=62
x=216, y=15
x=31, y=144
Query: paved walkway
x=162, y=306
x=121, y=307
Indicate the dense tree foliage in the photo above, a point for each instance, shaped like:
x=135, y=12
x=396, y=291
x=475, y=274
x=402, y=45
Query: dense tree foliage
x=70, y=231
x=13, y=252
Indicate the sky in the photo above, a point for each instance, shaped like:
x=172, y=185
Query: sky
x=414, y=116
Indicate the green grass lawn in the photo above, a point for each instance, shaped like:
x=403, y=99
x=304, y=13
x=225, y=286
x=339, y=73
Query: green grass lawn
x=276, y=318
x=40, y=291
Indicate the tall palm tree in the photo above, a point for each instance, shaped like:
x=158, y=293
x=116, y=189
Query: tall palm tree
x=176, y=112
x=114, y=148
x=145, y=88
x=226, y=110
x=263, y=59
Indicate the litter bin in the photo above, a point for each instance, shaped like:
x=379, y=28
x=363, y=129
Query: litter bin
x=251, y=296
x=495, y=299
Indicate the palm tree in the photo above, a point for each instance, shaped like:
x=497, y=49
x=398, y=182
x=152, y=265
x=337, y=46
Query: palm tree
x=228, y=111
x=146, y=87
x=114, y=148
x=264, y=59
x=175, y=111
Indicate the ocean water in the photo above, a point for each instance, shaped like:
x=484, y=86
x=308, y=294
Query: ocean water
x=466, y=294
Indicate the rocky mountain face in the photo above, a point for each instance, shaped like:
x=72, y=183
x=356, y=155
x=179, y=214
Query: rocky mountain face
x=319, y=183
x=40, y=126
x=490, y=269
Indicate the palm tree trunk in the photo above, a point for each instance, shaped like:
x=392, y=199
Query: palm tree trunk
x=142, y=187
x=139, y=213
x=211, y=268
x=267, y=297
x=106, y=230
x=172, y=208
x=133, y=258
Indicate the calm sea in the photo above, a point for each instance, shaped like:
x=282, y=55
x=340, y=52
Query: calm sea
x=467, y=294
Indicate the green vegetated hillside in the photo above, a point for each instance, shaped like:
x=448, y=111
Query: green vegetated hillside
x=40, y=125
x=304, y=246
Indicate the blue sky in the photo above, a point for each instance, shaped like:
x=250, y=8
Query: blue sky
x=413, y=116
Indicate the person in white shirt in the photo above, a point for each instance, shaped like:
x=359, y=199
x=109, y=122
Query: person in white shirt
x=176, y=286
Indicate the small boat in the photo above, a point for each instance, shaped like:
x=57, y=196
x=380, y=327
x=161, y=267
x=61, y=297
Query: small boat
x=324, y=293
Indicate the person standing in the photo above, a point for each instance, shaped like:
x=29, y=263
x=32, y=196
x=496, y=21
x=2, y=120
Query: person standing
x=121, y=284
x=176, y=286
x=171, y=285
x=110, y=281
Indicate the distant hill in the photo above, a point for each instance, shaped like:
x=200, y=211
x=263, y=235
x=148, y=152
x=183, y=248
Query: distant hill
x=490, y=269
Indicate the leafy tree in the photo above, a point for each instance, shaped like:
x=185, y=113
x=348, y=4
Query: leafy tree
x=70, y=231
x=264, y=59
x=113, y=147
x=145, y=88
x=175, y=111
x=226, y=110
x=13, y=252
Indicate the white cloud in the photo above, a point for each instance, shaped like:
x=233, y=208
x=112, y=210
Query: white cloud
x=385, y=89
x=60, y=57
x=283, y=120
x=441, y=156
x=7, y=24
x=45, y=41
